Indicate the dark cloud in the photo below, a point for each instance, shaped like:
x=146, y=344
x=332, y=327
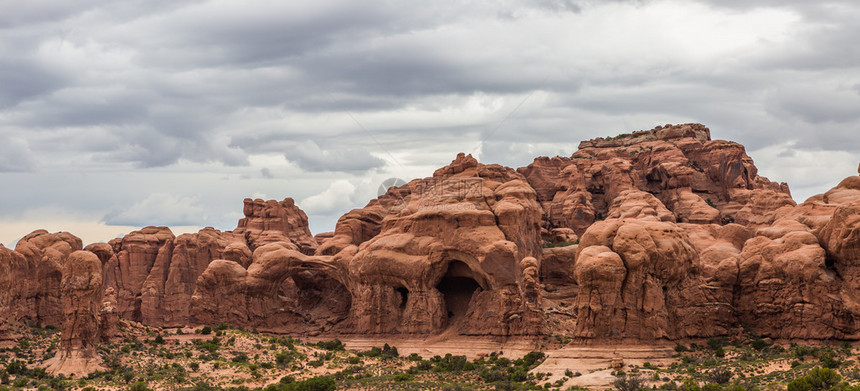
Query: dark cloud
x=43, y=11
x=22, y=80
x=311, y=157
x=238, y=93
x=816, y=105
x=265, y=172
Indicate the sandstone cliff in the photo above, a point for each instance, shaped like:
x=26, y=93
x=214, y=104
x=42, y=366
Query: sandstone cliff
x=659, y=234
x=81, y=293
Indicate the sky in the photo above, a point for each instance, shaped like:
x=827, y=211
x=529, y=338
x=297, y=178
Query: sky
x=118, y=115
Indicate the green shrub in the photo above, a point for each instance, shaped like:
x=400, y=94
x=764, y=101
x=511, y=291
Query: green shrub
x=720, y=375
x=451, y=363
x=319, y=383
x=715, y=343
x=139, y=386
x=760, y=344
x=532, y=358
x=628, y=383
x=284, y=358
x=206, y=330
x=334, y=345
x=818, y=379
x=690, y=385
x=801, y=351
x=16, y=368
x=203, y=386
x=828, y=360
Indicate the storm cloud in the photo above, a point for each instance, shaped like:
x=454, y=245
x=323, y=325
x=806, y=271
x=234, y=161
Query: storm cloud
x=171, y=112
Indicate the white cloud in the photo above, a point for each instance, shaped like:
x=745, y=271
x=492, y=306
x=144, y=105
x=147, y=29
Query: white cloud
x=807, y=172
x=160, y=209
x=333, y=199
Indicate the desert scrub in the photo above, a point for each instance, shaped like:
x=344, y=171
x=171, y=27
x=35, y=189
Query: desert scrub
x=560, y=244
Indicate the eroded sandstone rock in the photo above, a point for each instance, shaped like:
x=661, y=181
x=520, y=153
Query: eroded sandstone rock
x=698, y=179
x=46, y=253
x=81, y=293
x=283, y=217
x=660, y=234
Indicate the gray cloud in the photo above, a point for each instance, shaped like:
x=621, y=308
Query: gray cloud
x=16, y=88
x=15, y=156
x=160, y=209
x=310, y=156
x=105, y=100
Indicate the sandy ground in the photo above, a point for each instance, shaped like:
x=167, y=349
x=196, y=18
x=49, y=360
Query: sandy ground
x=592, y=361
x=471, y=347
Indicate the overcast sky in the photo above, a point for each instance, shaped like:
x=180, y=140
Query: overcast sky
x=121, y=114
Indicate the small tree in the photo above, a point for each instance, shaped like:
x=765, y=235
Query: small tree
x=629, y=383
x=818, y=379
x=139, y=386
x=720, y=375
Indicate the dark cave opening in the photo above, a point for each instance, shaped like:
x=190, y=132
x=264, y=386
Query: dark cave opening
x=457, y=287
x=830, y=264
x=404, y=297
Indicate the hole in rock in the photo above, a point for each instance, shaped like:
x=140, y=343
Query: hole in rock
x=137, y=313
x=404, y=297
x=830, y=264
x=457, y=287
x=321, y=296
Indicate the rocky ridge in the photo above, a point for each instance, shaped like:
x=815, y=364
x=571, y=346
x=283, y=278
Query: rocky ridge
x=660, y=234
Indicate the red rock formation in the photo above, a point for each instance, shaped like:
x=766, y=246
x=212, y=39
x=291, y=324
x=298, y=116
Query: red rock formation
x=108, y=317
x=81, y=292
x=127, y=271
x=102, y=250
x=461, y=250
x=655, y=234
x=283, y=290
x=451, y=256
x=18, y=290
x=354, y=228
x=46, y=253
x=700, y=180
x=629, y=272
x=283, y=217
x=456, y=250
x=154, y=273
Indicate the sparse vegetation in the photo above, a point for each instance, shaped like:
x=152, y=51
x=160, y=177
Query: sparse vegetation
x=245, y=360
x=548, y=244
